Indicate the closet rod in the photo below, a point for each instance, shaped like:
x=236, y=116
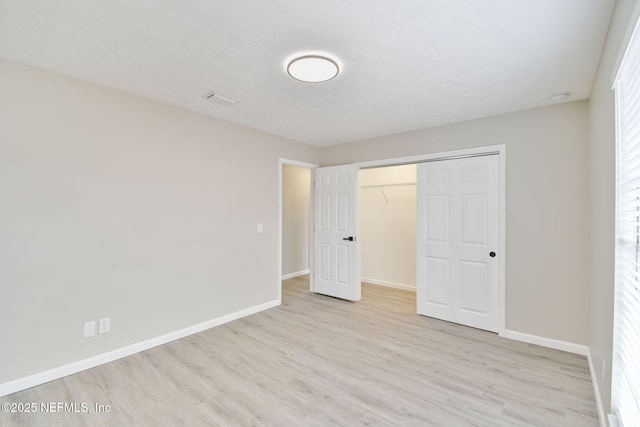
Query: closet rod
x=388, y=185
x=439, y=159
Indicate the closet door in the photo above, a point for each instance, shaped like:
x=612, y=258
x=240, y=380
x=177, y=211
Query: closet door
x=458, y=235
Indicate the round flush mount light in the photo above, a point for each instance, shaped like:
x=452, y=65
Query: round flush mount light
x=559, y=97
x=313, y=68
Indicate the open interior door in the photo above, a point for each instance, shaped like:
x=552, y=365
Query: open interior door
x=337, y=258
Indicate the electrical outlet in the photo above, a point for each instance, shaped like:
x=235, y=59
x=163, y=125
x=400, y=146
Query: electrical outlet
x=260, y=228
x=89, y=329
x=104, y=325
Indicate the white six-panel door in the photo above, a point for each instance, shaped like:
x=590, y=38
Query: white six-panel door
x=458, y=236
x=337, y=267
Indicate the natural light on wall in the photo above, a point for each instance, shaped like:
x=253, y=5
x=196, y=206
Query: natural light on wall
x=625, y=388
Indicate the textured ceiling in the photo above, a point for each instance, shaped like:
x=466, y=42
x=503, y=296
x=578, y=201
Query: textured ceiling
x=406, y=64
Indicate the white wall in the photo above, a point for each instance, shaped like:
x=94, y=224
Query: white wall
x=388, y=226
x=602, y=188
x=547, y=223
x=296, y=193
x=117, y=206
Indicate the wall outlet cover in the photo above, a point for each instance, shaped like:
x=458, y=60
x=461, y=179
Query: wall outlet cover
x=104, y=325
x=89, y=329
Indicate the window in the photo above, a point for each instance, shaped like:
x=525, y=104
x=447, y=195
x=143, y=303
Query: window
x=625, y=402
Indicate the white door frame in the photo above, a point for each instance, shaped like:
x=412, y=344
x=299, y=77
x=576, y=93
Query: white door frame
x=311, y=167
x=501, y=150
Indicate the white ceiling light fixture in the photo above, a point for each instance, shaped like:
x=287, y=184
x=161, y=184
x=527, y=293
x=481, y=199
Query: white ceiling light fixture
x=313, y=68
x=559, y=97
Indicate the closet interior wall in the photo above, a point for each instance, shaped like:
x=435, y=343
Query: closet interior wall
x=388, y=226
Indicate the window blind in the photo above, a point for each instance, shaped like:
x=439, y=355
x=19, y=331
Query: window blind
x=625, y=402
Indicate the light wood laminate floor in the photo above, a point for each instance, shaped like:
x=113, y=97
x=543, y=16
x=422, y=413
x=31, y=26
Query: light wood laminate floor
x=319, y=361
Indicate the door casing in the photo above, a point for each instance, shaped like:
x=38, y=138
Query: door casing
x=310, y=166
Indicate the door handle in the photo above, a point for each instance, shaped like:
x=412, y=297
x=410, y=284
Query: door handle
x=350, y=238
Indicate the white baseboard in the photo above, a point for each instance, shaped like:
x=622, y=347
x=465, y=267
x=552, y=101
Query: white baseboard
x=81, y=365
x=596, y=391
x=296, y=274
x=388, y=284
x=570, y=347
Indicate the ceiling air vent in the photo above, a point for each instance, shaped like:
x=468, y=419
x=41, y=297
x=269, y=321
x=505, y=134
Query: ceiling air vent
x=219, y=99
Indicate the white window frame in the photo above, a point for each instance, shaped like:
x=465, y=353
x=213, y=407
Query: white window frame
x=625, y=387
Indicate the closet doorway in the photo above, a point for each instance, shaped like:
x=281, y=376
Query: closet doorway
x=442, y=217
x=459, y=240
x=387, y=222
